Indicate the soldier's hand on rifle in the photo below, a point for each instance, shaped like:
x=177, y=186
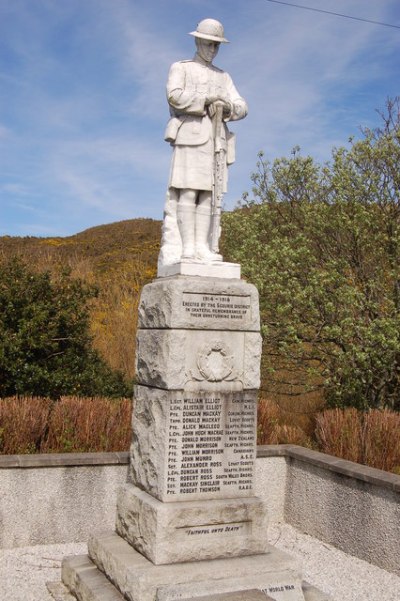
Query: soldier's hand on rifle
x=215, y=102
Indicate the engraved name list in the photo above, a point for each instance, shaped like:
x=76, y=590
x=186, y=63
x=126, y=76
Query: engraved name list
x=211, y=446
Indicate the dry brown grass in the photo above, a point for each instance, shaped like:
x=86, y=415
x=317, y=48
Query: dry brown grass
x=76, y=424
x=73, y=424
x=23, y=424
x=88, y=425
x=339, y=432
x=273, y=427
x=371, y=438
x=382, y=440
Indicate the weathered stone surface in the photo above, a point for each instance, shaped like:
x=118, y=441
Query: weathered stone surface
x=160, y=358
x=251, y=595
x=194, y=268
x=87, y=583
x=251, y=361
x=182, y=531
x=90, y=584
x=139, y=580
x=198, y=360
x=199, y=303
x=189, y=446
x=59, y=592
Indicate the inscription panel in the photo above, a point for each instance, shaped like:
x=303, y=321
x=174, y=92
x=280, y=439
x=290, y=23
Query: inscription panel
x=231, y=529
x=211, y=446
x=216, y=307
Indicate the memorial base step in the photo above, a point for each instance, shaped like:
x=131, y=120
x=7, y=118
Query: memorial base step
x=193, y=530
x=138, y=579
x=98, y=589
x=275, y=574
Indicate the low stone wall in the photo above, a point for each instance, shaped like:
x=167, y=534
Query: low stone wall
x=54, y=498
x=58, y=498
x=351, y=506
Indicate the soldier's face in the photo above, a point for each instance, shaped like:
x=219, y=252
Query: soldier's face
x=207, y=49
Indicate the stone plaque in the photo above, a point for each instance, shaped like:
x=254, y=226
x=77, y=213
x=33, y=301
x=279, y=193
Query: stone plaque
x=227, y=307
x=211, y=446
x=194, y=445
x=217, y=530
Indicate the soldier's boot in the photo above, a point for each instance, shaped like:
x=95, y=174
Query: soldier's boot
x=203, y=226
x=186, y=224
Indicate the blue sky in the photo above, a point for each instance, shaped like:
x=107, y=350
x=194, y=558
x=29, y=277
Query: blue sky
x=83, y=109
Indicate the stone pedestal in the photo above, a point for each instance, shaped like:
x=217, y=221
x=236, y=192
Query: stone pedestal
x=190, y=531
x=188, y=524
x=194, y=433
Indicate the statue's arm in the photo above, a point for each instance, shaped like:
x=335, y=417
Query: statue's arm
x=239, y=107
x=180, y=95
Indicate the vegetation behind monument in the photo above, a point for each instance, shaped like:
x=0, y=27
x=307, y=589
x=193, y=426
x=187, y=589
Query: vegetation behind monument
x=322, y=244
x=116, y=259
x=46, y=347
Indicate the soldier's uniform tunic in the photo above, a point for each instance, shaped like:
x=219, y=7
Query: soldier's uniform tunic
x=190, y=131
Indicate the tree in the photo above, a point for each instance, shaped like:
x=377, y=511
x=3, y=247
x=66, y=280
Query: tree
x=322, y=244
x=45, y=345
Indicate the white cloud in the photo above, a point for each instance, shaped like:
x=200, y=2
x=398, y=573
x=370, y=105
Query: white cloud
x=15, y=189
x=4, y=132
x=86, y=102
x=296, y=72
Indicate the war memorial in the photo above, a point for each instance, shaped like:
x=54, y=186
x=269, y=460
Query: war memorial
x=188, y=523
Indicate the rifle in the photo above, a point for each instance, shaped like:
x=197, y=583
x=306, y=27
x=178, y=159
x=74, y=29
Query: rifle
x=218, y=179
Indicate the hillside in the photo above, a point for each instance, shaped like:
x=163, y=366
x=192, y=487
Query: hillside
x=119, y=258
x=111, y=245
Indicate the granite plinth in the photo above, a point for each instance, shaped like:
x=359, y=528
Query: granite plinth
x=96, y=587
x=188, y=523
x=198, y=358
x=190, y=531
x=199, y=303
x=311, y=593
x=217, y=269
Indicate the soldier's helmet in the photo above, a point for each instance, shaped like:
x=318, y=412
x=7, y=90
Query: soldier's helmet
x=210, y=29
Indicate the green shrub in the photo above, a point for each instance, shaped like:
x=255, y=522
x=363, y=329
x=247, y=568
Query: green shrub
x=45, y=344
x=322, y=245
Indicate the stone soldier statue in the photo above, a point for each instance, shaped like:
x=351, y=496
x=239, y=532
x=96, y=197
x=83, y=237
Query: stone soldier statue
x=202, y=99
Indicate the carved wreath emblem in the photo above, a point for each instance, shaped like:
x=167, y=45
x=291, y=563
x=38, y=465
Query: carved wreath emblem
x=215, y=362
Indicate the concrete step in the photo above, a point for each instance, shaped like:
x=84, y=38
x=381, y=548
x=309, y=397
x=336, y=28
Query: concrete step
x=272, y=576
